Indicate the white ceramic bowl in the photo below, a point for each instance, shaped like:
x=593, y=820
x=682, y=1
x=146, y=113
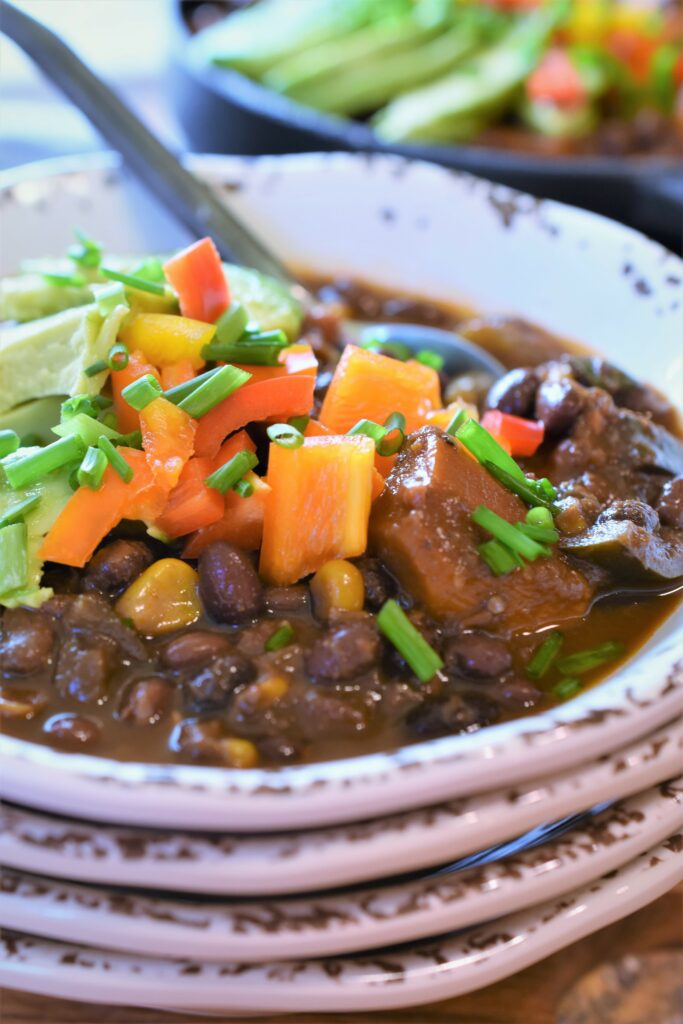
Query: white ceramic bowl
x=437, y=233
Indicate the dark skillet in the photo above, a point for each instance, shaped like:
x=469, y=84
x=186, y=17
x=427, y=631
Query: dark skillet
x=224, y=112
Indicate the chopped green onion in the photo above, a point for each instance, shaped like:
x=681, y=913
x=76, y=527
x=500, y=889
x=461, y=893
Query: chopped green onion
x=395, y=423
x=584, y=661
x=256, y=351
x=566, y=688
x=99, y=367
x=280, y=638
x=299, y=422
x=31, y=441
x=28, y=469
x=393, y=622
x=115, y=459
x=231, y=324
x=458, y=420
x=9, y=442
x=87, y=253
x=87, y=405
x=65, y=280
x=540, y=515
x=209, y=394
x=397, y=349
x=18, y=512
x=149, y=269
x=181, y=391
x=132, y=440
x=110, y=421
x=544, y=655
x=285, y=435
x=86, y=428
x=486, y=449
x=226, y=476
x=545, y=487
x=506, y=533
x=527, y=490
x=542, y=534
x=244, y=488
x=117, y=358
x=429, y=358
x=499, y=559
x=131, y=281
x=91, y=470
x=142, y=391
x=13, y=558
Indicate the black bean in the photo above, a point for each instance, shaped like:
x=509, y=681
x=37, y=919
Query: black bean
x=632, y=511
x=114, y=567
x=72, y=730
x=516, y=694
x=146, y=701
x=19, y=702
x=453, y=715
x=278, y=750
x=379, y=586
x=211, y=688
x=197, y=738
x=287, y=599
x=670, y=504
x=194, y=648
x=344, y=651
x=477, y=655
x=92, y=613
x=27, y=641
x=228, y=584
x=514, y=393
x=558, y=403
x=83, y=668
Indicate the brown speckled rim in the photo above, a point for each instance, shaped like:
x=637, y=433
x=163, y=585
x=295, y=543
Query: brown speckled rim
x=637, y=698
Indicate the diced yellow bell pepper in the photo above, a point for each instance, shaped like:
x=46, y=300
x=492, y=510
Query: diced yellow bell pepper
x=166, y=339
x=163, y=598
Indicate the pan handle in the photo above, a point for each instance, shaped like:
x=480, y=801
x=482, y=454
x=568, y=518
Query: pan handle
x=658, y=203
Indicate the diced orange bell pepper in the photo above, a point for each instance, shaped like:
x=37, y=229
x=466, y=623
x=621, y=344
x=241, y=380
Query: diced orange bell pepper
x=191, y=504
x=516, y=435
x=368, y=385
x=199, y=281
x=165, y=339
x=127, y=418
x=239, y=442
x=318, y=507
x=241, y=524
x=177, y=373
x=316, y=429
x=168, y=440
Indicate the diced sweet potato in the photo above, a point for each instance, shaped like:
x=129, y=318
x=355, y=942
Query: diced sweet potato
x=421, y=528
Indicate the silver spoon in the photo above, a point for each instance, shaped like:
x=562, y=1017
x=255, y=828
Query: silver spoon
x=190, y=200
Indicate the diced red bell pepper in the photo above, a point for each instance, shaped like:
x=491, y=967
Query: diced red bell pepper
x=517, y=435
x=198, y=278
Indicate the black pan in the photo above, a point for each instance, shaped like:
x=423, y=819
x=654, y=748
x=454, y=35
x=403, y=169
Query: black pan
x=224, y=112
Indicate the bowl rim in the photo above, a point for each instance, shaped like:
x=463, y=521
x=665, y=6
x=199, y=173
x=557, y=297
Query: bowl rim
x=626, y=704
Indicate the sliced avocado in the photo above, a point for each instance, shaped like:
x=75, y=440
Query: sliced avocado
x=30, y=296
x=54, y=492
x=35, y=418
x=266, y=300
x=49, y=356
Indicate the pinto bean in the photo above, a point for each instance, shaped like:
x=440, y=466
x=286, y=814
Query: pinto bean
x=146, y=701
x=26, y=641
x=211, y=688
x=72, y=730
x=345, y=651
x=670, y=504
x=228, y=583
x=194, y=648
x=114, y=567
x=476, y=655
x=514, y=393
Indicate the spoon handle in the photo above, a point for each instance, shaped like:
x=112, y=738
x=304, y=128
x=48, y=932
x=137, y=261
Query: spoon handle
x=188, y=199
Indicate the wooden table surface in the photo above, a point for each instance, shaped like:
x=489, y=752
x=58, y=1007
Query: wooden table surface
x=530, y=997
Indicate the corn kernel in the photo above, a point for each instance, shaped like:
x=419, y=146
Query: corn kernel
x=163, y=598
x=271, y=689
x=238, y=753
x=337, y=586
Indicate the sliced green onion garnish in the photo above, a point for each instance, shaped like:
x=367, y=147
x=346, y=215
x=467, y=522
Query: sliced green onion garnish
x=18, y=512
x=545, y=487
x=115, y=459
x=87, y=253
x=499, y=559
x=429, y=358
x=117, y=357
x=566, y=688
x=244, y=488
x=226, y=476
x=543, y=534
x=385, y=445
x=299, y=422
x=86, y=405
x=280, y=638
x=132, y=281
x=132, y=440
x=86, y=428
x=286, y=435
x=142, y=391
x=181, y=391
x=99, y=367
x=540, y=516
x=28, y=469
x=458, y=420
x=584, y=661
x=397, y=349
x=149, y=269
x=408, y=641
x=506, y=533
x=231, y=324
x=65, y=280
x=485, y=448
x=91, y=470
x=32, y=441
x=527, y=490
x=9, y=442
x=544, y=656
x=13, y=557
x=250, y=351
x=209, y=394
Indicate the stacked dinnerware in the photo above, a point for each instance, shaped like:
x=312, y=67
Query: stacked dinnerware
x=395, y=878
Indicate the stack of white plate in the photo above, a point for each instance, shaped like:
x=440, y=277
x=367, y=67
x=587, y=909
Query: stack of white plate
x=384, y=880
